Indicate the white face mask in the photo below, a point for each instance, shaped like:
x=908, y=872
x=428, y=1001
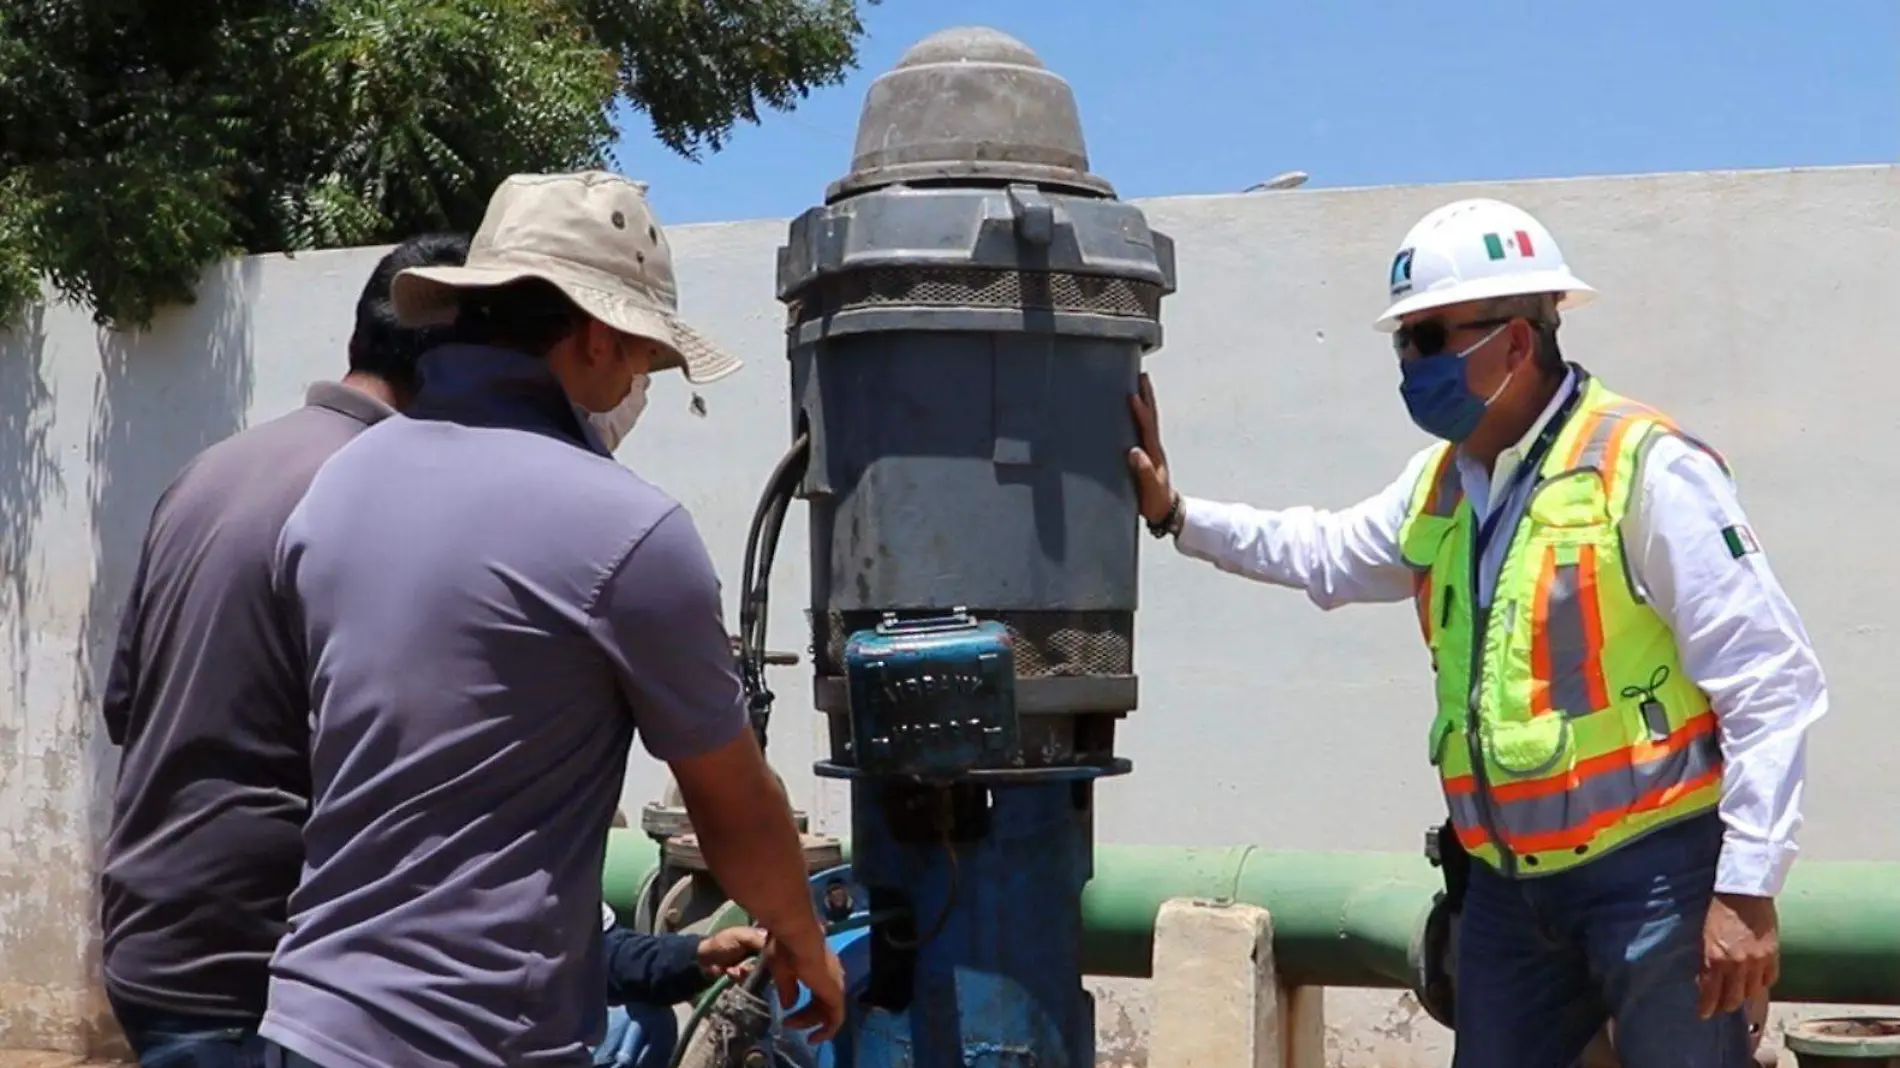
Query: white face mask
x=616, y=423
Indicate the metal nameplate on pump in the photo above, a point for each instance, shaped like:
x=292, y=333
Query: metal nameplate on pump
x=933, y=696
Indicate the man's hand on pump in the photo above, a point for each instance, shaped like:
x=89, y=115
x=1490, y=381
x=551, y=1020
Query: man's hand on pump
x=745, y=828
x=1148, y=461
x=802, y=956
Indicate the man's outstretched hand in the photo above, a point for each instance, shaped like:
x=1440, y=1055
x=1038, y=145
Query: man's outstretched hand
x=1148, y=461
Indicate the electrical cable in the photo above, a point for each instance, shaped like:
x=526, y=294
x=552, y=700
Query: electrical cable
x=761, y=547
x=943, y=914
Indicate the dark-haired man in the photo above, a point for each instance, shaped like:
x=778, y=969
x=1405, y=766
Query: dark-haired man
x=206, y=697
x=479, y=680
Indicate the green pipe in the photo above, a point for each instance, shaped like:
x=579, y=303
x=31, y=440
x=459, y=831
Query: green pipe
x=1356, y=919
x=1840, y=933
x=631, y=858
x=1339, y=919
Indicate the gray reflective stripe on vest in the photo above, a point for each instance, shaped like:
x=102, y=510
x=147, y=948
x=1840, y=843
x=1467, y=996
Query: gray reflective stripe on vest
x=1566, y=631
x=1615, y=791
x=1566, y=639
x=1465, y=812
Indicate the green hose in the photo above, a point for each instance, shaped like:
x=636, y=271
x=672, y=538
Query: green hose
x=756, y=980
x=701, y=1008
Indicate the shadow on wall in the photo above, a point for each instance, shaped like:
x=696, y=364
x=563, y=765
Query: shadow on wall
x=28, y=474
x=162, y=397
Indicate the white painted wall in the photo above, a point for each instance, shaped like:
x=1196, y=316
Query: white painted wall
x=1752, y=306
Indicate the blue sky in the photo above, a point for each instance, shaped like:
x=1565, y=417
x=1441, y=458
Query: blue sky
x=1208, y=96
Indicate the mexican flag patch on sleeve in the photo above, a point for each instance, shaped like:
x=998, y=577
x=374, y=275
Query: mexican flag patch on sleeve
x=1741, y=541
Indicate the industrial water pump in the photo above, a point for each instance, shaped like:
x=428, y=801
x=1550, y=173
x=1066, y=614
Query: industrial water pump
x=966, y=316
x=966, y=319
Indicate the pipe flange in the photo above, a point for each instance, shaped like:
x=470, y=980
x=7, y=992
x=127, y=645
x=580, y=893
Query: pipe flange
x=822, y=851
x=669, y=916
x=662, y=821
x=646, y=904
x=682, y=852
x=667, y=817
x=1839, y=1040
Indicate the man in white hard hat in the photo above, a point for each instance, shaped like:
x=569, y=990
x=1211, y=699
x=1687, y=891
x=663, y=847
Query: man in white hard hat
x=491, y=610
x=1623, y=689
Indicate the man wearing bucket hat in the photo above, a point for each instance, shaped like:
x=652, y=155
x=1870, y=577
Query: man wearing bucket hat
x=1623, y=689
x=477, y=679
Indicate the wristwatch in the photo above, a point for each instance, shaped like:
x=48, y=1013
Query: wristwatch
x=1169, y=525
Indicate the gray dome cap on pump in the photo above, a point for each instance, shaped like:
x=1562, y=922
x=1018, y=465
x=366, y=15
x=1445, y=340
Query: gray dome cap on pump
x=969, y=103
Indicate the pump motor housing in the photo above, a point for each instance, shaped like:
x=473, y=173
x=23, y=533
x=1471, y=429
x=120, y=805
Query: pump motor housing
x=962, y=360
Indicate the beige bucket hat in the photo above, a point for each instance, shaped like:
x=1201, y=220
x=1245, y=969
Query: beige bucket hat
x=592, y=235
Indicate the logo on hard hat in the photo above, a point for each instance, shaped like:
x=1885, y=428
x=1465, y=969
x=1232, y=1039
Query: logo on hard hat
x=1498, y=246
x=1402, y=272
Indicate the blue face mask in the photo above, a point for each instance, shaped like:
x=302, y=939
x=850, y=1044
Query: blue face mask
x=1436, y=395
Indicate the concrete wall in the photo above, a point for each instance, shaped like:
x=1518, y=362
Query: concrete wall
x=1753, y=306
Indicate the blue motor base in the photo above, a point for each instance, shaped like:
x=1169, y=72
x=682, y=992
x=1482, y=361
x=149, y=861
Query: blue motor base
x=986, y=970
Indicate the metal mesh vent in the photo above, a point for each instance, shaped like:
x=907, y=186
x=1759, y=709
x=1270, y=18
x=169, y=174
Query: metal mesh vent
x=1047, y=644
x=974, y=287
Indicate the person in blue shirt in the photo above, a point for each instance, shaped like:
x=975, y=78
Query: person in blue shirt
x=647, y=975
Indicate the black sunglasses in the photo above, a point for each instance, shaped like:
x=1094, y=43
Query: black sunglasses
x=1429, y=338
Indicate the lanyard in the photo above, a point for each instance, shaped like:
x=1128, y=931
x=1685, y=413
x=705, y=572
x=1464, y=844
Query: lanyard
x=1533, y=461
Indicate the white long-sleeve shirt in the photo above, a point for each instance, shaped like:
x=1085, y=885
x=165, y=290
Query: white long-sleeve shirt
x=1739, y=637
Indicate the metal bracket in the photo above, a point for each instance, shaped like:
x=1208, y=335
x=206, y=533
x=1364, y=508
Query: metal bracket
x=1035, y=216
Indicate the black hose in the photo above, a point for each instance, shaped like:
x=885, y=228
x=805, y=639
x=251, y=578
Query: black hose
x=761, y=547
x=951, y=893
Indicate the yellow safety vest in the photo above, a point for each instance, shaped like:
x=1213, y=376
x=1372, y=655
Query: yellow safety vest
x=1571, y=728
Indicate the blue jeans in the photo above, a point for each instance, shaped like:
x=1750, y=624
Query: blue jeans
x=164, y=1039
x=1542, y=962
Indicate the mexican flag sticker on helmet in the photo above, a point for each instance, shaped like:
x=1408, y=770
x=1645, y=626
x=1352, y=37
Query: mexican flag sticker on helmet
x=1498, y=246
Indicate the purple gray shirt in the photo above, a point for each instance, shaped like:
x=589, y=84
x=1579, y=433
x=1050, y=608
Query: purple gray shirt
x=206, y=696
x=492, y=607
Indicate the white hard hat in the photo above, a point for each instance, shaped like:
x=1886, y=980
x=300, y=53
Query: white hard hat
x=1475, y=250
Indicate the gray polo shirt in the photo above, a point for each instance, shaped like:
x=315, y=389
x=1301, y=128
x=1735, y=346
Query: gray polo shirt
x=206, y=698
x=492, y=608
